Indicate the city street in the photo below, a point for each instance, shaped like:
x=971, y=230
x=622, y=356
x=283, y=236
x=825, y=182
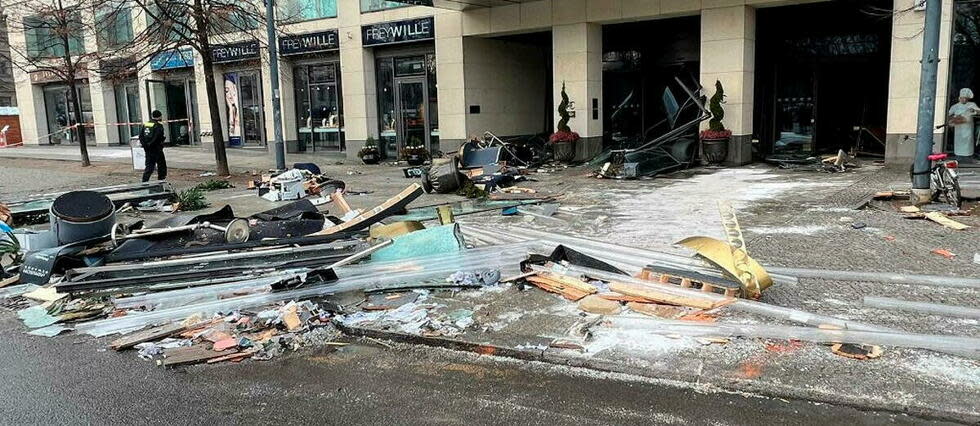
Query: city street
x=376, y=380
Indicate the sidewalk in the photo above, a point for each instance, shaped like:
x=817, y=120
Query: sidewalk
x=239, y=159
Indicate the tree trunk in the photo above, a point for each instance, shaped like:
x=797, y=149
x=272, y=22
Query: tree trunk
x=220, y=156
x=79, y=120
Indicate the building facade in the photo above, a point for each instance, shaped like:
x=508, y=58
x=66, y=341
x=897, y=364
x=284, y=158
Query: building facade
x=8, y=92
x=799, y=77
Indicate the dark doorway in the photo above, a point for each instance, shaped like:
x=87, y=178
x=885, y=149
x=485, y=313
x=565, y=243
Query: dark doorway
x=639, y=62
x=964, y=69
x=822, y=78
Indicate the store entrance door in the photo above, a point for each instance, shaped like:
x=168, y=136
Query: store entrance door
x=412, y=125
x=175, y=100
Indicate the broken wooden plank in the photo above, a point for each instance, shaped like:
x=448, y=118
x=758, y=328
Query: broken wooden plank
x=657, y=310
x=155, y=333
x=572, y=282
x=945, y=221
x=392, y=206
x=553, y=286
x=662, y=296
x=189, y=355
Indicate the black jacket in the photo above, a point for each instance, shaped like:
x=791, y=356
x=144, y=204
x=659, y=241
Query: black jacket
x=152, y=136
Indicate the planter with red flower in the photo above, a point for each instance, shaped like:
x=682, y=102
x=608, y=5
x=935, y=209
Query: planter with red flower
x=716, y=139
x=563, y=141
x=563, y=144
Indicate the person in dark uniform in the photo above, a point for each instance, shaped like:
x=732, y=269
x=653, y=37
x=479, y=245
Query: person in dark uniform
x=152, y=139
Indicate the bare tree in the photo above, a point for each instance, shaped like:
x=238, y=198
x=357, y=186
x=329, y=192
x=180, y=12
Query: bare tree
x=53, y=46
x=201, y=25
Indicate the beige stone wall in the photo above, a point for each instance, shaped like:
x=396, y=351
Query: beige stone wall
x=904, y=74
x=509, y=82
x=728, y=56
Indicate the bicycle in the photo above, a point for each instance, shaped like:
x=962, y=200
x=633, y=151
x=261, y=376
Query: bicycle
x=944, y=179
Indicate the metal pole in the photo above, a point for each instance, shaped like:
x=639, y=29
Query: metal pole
x=927, y=98
x=270, y=23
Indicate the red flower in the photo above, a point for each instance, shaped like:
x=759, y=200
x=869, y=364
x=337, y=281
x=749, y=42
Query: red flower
x=563, y=137
x=716, y=134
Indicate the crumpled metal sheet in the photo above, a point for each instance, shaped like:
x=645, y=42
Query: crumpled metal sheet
x=720, y=253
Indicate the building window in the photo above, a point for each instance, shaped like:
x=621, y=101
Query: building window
x=6, y=101
x=376, y=5
x=116, y=28
x=170, y=22
x=235, y=19
x=43, y=40
x=305, y=10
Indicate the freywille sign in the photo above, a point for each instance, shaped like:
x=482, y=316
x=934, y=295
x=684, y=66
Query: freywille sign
x=398, y=32
x=235, y=52
x=309, y=43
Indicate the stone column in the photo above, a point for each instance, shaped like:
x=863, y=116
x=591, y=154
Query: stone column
x=577, y=53
x=903, y=84
x=103, y=99
x=360, y=91
x=449, y=81
x=728, y=56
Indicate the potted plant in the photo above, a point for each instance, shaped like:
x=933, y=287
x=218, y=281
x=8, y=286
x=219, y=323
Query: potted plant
x=563, y=141
x=715, y=140
x=370, y=154
x=415, y=153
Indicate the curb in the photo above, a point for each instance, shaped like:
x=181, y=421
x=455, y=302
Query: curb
x=748, y=386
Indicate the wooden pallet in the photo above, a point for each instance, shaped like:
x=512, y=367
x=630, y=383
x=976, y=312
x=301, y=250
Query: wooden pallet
x=704, y=284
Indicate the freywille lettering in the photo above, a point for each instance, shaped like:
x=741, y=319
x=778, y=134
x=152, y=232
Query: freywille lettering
x=309, y=43
x=236, y=52
x=397, y=32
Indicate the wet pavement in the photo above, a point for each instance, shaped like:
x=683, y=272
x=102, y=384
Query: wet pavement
x=790, y=219
x=74, y=380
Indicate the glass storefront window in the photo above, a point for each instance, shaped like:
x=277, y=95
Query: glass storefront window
x=305, y=10
x=430, y=61
x=408, y=108
x=128, y=110
x=60, y=114
x=387, y=139
x=319, y=108
x=376, y=5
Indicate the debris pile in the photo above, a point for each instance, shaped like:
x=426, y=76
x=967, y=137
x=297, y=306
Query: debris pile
x=223, y=287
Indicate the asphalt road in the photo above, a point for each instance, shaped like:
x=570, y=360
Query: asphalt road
x=75, y=380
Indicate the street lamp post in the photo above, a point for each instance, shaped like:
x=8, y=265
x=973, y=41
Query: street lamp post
x=270, y=23
x=927, y=101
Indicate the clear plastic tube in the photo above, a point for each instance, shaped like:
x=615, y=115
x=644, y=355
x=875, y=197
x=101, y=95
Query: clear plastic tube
x=506, y=263
x=779, y=274
x=464, y=259
x=629, y=259
x=923, y=307
x=963, y=346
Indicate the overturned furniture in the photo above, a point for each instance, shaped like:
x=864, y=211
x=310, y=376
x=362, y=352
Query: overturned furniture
x=672, y=150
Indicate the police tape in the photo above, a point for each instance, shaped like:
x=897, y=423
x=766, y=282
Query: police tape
x=37, y=141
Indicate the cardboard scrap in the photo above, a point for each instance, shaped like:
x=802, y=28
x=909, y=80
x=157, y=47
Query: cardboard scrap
x=945, y=221
x=291, y=319
x=855, y=351
x=944, y=253
x=657, y=310
x=594, y=304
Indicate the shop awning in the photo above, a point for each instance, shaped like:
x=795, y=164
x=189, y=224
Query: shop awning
x=462, y=4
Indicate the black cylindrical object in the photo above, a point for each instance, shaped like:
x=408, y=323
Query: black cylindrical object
x=81, y=215
x=443, y=178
